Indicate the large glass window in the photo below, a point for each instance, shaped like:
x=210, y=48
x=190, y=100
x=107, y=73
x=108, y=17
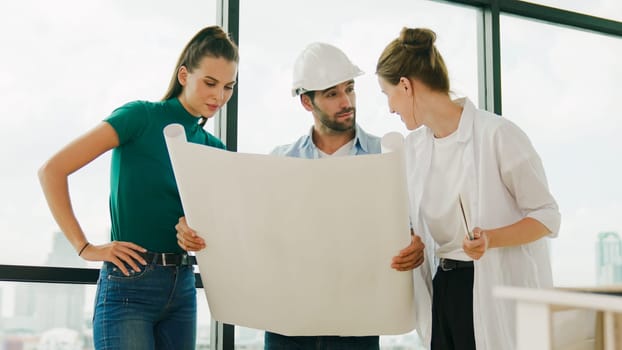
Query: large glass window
x=562, y=87
x=65, y=65
x=59, y=316
x=270, y=116
x=611, y=9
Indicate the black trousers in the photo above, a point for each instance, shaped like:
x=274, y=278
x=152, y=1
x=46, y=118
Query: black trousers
x=452, y=310
x=274, y=341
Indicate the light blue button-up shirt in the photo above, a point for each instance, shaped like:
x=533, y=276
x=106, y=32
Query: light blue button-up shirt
x=304, y=147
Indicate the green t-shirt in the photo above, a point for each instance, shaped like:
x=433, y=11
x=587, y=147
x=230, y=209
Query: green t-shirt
x=144, y=199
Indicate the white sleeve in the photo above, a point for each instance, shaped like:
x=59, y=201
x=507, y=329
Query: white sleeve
x=523, y=174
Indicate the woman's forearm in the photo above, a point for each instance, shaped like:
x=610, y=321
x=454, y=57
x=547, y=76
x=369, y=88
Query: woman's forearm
x=521, y=232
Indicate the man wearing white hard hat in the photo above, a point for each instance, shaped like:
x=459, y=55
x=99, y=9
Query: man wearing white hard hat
x=324, y=81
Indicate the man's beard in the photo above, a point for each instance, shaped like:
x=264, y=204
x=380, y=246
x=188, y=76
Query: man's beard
x=335, y=125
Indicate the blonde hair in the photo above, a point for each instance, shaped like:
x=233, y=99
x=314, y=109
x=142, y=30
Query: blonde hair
x=414, y=55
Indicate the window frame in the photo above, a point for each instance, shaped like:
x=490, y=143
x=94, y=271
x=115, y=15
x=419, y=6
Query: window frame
x=489, y=80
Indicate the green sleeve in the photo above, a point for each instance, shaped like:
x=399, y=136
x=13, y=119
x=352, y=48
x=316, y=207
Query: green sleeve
x=128, y=121
x=213, y=141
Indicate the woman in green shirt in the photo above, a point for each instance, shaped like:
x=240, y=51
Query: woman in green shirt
x=146, y=296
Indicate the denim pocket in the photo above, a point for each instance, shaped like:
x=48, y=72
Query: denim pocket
x=115, y=274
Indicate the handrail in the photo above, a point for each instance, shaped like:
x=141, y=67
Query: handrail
x=65, y=275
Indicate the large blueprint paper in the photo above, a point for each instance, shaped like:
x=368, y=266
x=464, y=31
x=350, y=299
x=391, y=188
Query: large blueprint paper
x=299, y=246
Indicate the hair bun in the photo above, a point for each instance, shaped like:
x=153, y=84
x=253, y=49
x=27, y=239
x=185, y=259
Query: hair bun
x=417, y=39
x=215, y=32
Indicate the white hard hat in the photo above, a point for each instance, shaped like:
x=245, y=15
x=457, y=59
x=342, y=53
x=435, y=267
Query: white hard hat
x=320, y=66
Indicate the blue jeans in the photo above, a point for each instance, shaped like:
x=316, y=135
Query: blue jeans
x=151, y=309
x=275, y=341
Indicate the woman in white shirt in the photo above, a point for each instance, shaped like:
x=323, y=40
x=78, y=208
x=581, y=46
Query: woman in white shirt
x=469, y=171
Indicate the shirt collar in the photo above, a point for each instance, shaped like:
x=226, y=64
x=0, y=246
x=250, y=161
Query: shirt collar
x=185, y=118
x=465, y=126
x=361, y=140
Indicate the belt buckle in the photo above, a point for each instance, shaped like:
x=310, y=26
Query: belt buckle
x=446, y=265
x=163, y=259
x=191, y=260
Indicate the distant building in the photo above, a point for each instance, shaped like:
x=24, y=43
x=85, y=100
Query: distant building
x=50, y=306
x=608, y=258
x=62, y=305
x=25, y=300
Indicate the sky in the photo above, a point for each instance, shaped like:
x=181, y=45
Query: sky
x=67, y=64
